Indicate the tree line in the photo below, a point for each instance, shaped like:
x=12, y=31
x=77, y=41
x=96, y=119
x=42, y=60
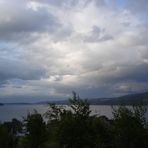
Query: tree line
x=76, y=128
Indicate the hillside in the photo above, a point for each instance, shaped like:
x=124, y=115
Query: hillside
x=140, y=98
x=132, y=99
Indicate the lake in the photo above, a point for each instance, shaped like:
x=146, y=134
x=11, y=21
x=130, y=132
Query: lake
x=7, y=112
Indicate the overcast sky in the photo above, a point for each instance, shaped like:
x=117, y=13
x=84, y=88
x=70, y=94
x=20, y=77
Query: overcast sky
x=49, y=48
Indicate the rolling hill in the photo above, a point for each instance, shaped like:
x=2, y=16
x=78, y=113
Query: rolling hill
x=132, y=99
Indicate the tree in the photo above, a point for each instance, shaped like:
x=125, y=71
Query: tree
x=35, y=130
x=129, y=127
x=102, y=132
x=79, y=107
x=72, y=128
x=8, y=133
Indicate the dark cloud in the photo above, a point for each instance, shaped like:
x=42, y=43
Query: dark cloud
x=122, y=73
x=17, y=23
x=137, y=73
x=17, y=69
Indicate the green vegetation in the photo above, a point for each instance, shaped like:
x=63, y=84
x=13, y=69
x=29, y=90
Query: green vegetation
x=74, y=127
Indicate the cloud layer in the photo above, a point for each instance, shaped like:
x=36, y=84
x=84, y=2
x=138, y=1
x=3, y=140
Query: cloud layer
x=49, y=48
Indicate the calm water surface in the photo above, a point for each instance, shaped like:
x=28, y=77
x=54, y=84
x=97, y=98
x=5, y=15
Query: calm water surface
x=7, y=112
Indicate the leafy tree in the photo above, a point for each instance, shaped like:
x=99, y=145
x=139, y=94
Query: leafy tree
x=35, y=130
x=72, y=125
x=8, y=133
x=79, y=107
x=102, y=132
x=4, y=137
x=23, y=142
x=129, y=127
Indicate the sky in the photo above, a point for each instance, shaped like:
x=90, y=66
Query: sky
x=49, y=48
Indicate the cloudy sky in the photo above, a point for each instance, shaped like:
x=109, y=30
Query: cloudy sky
x=48, y=48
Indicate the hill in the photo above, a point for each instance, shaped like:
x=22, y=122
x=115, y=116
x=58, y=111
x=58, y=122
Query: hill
x=132, y=99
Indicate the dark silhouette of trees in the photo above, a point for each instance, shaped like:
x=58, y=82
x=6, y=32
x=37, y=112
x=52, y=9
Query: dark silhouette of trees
x=8, y=133
x=72, y=128
x=130, y=127
x=102, y=131
x=35, y=130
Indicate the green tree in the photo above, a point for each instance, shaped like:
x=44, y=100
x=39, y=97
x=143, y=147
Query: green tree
x=4, y=137
x=8, y=133
x=35, y=130
x=80, y=108
x=102, y=132
x=72, y=128
x=129, y=127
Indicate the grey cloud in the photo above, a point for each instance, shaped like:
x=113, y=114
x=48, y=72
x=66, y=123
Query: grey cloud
x=115, y=80
x=53, y=58
x=100, y=2
x=17, y=22
x=70, y=4
x=3, y=83
x=136, y=73
x=122, y=73
x=63, y=3
x=62, y=34
x=17, y=69
x=138, y=5
x=97, y=35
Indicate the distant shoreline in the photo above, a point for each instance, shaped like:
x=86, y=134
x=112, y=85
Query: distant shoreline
x=131, y=99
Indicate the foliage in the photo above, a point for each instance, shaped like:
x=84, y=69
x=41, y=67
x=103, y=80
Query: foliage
x=35, y=130
x=129, y=127
x=8, y=133
x=75, y=127
x=79, y=107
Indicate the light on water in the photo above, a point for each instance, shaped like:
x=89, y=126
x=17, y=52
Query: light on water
x=8, y=112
